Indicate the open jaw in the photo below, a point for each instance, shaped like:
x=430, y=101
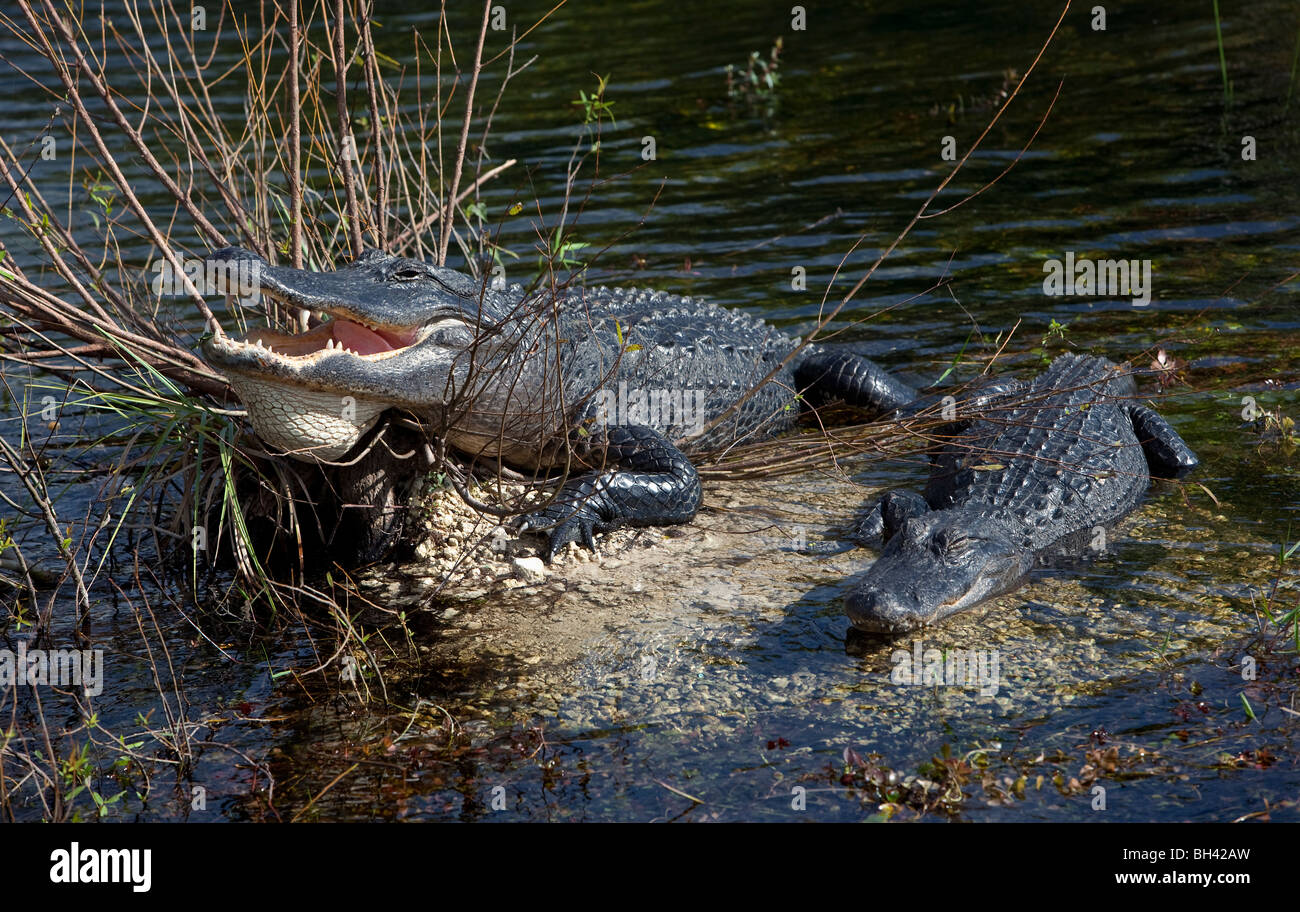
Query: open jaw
x=296, y=385
x=335, y=335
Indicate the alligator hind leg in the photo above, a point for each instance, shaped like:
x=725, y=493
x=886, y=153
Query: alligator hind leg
x=1168, y=456
x=652, y=484
x=825, y=376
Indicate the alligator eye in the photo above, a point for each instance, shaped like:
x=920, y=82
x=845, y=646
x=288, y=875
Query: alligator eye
x=947, y=542
x=409, y=274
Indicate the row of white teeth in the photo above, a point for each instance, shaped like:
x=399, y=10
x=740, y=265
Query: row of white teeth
x=330, y=346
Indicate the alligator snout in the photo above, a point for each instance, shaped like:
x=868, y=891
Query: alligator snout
x=873, y=610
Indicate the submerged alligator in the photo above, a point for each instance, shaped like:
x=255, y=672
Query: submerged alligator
x=1045, y=465
x=535, y=381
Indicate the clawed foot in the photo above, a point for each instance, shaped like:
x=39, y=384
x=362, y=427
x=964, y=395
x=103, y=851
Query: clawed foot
x=563, y=524
x=869, y=527
x=884, y=518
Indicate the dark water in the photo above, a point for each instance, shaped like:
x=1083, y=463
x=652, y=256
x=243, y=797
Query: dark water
x=754, y=693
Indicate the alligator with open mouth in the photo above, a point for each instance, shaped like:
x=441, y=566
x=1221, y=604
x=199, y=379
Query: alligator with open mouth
x=614, y=387
x=1043, y=467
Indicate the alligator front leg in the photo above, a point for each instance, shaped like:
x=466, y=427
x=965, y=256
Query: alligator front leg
x=652, y=484
x=887, y=516
x=825, y=376
x=1168, y=456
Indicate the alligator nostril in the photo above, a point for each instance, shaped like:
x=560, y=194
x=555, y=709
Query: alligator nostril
x=881, y=611
x=872, y=610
